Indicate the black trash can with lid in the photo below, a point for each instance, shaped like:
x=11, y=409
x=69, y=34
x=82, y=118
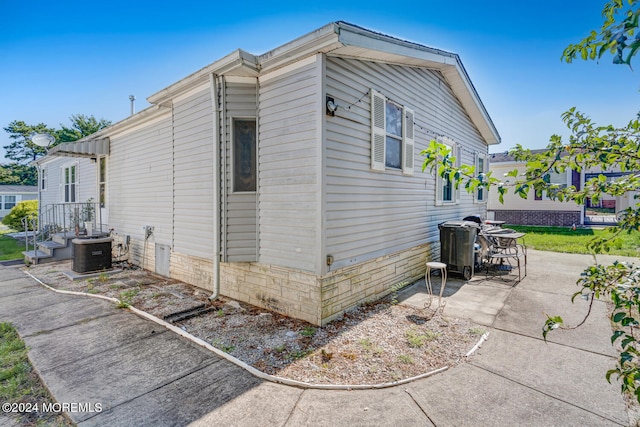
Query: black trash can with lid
x=457, y=240
x=90, y=255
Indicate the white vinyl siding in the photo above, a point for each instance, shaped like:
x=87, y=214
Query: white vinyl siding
x=193, y=179
x=288, y=166
x=239, y=217
x=141, y=180
x=53, y=170
x=369, y=213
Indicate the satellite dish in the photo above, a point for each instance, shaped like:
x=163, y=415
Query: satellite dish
x=43, y=139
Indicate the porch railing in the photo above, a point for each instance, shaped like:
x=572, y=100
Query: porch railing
x=68, y=218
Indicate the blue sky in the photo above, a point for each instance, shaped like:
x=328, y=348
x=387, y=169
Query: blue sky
x=64, y=58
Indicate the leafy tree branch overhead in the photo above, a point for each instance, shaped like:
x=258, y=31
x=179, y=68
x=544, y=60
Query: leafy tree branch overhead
x=589, y=145
x=23, y=151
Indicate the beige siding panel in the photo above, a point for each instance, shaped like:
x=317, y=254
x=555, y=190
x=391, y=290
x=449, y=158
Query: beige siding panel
x=140, y=181
x=240, y=212
x=288, y=168
x=369, y=213
x=193, y=174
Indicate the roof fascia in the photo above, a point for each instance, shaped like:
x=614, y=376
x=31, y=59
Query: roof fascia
x=324, y=39
x=227, y=64
x=448, y=63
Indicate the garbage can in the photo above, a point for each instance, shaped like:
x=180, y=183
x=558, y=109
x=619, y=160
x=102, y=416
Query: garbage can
x=457, y=240
x=91, y=255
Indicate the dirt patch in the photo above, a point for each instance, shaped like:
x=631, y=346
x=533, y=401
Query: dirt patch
x=371, y=344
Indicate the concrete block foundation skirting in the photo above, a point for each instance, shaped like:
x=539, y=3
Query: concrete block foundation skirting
x=302, y=294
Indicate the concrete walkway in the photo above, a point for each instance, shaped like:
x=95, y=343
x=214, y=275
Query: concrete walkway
x=88, y=351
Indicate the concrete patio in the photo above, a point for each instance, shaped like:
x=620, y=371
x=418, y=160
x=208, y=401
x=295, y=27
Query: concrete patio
x=86, y=350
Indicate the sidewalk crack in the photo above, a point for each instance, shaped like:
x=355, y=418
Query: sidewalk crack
x=606, y=417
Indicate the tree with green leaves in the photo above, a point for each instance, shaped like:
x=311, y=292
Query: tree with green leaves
x=17, y=174
x=589, y=145
x=81, y=126
x=22, y=150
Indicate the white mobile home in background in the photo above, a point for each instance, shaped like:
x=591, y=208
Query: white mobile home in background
x=11, y=195
x=292, y=180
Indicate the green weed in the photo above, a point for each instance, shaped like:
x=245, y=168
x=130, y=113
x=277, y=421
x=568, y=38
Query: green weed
x=298, y=354
x=395, y=289
x=477, y=331
x=366, y=343
x=308, y=331
x=417, y=339
x=227, y=348
x=406, y=359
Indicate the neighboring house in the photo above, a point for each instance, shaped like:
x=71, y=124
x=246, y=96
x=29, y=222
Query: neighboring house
x=292, y=180
x=10, y=195
x=539, y=209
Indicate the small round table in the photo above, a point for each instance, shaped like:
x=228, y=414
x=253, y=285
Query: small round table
x=433, y=265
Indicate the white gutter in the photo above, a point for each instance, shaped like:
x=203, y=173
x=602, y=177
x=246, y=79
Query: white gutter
x=216, y=186
x=235, y=60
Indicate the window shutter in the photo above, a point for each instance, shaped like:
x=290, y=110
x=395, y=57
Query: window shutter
x=378, y=131
x=439, y=183
x=575, y=179
x=408, y=142
x=438, y=190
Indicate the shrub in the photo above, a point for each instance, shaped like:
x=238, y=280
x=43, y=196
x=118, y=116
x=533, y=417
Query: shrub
x=20, y=210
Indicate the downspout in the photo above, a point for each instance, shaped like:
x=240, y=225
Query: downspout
x=216, y=187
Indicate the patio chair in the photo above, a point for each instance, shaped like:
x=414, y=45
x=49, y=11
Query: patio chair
x=500, y=253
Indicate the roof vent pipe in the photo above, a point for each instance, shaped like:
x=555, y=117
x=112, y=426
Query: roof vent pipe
x=132, y=98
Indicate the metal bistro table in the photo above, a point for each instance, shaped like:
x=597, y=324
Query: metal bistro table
x=504, y=250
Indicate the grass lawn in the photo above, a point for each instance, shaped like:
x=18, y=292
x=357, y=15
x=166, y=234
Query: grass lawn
x=19, y=384
x=10, y=248
x=563, y=239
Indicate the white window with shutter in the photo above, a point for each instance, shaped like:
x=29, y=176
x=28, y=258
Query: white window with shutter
x=392, y=135
x=481, y=169
x=446, y=191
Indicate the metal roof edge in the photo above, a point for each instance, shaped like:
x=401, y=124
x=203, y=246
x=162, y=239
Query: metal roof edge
x=449, y=63
x=235, y=59
x=458, y=77
x=350, y=33
x=323, y=39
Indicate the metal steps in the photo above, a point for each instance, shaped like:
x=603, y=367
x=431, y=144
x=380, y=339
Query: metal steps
x=57, y=249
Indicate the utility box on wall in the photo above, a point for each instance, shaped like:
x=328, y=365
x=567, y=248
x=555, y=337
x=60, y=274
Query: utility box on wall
x=163, y=257
x=90, y=255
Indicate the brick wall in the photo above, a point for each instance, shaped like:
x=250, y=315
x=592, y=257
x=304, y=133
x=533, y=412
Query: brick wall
x=551, y=218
